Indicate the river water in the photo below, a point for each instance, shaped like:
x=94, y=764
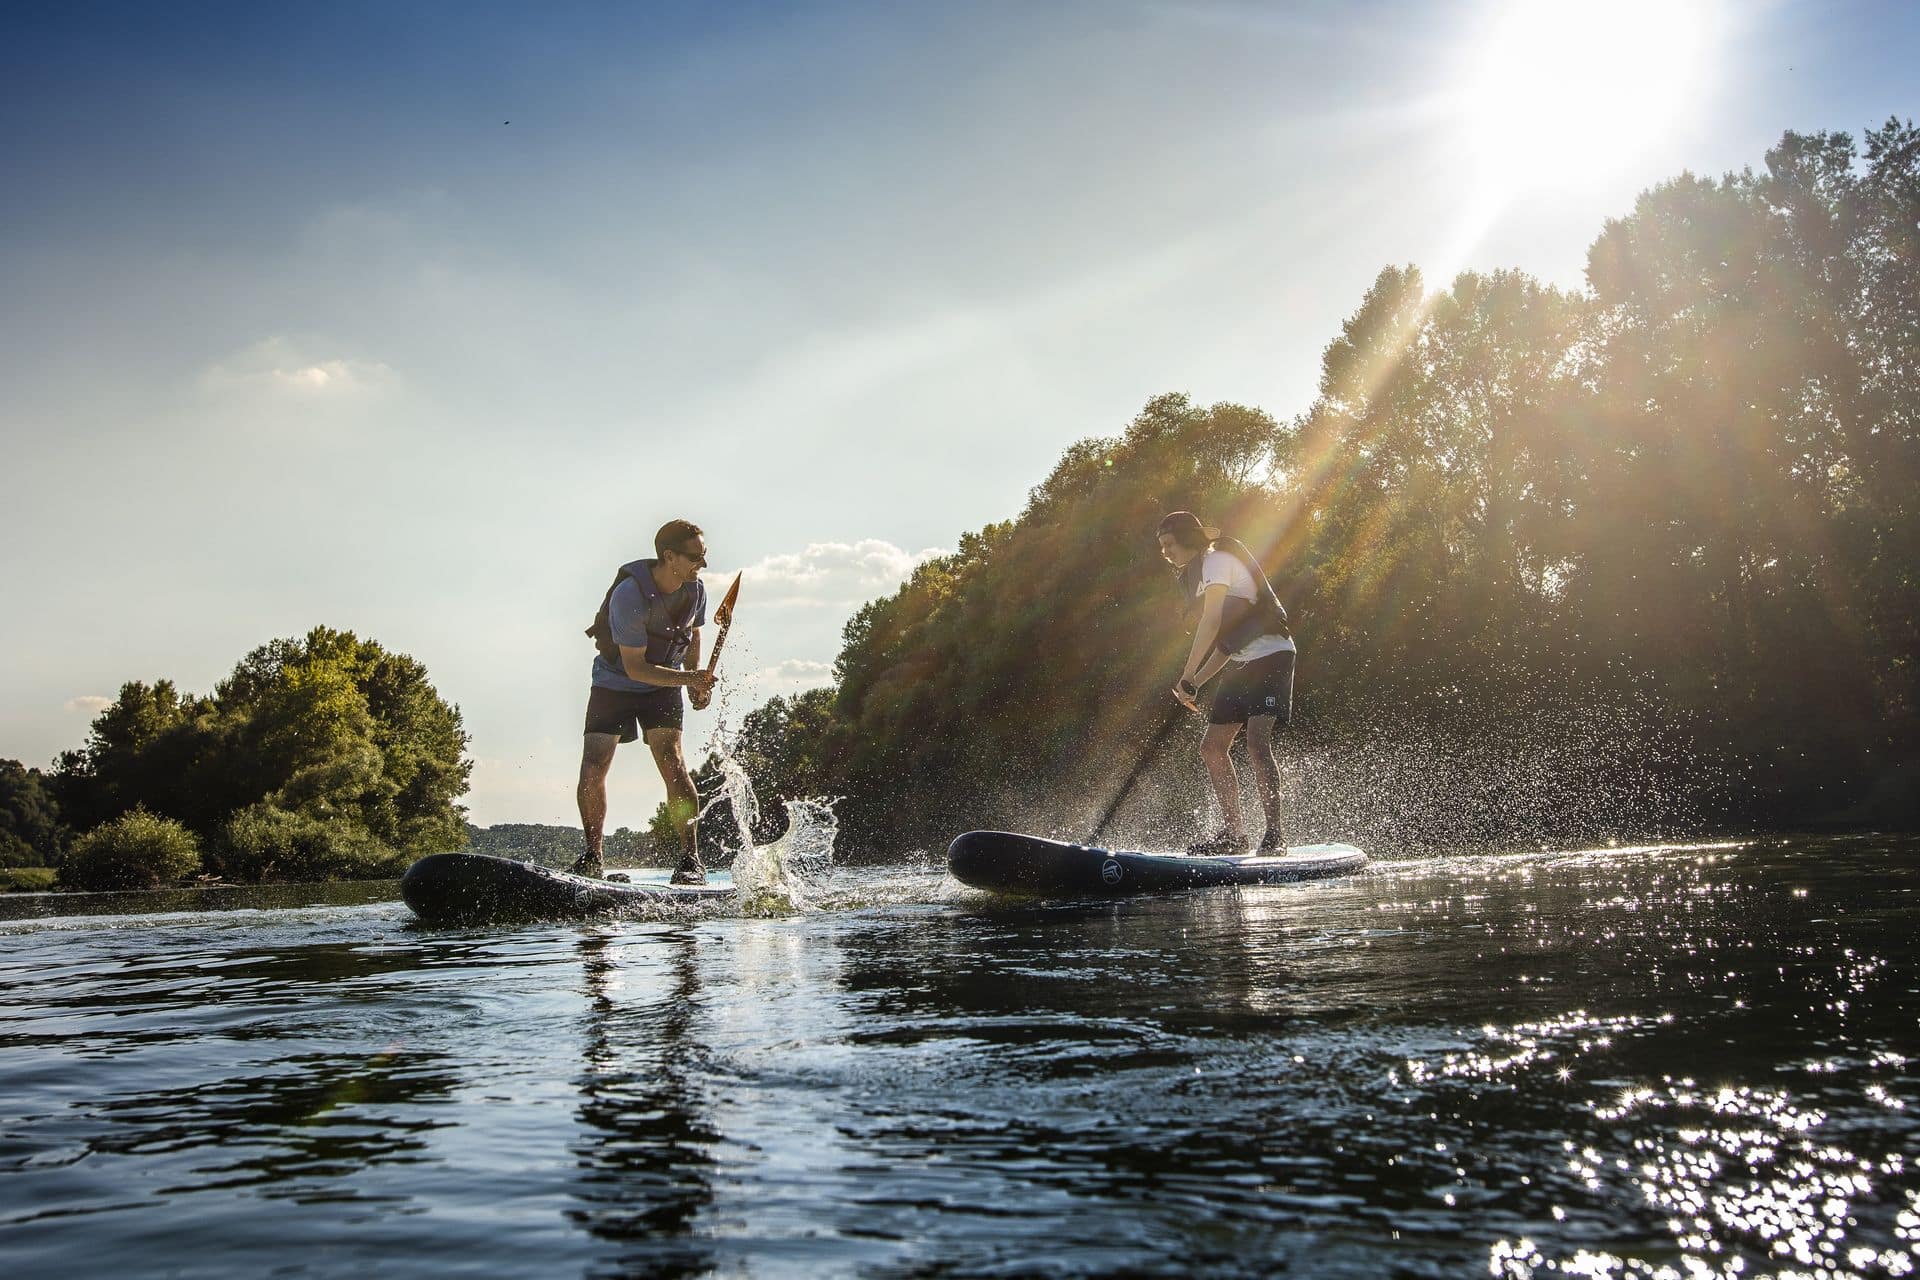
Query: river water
x=1667, y=1061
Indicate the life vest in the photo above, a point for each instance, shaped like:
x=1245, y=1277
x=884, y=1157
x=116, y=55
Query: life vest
x=669, y=631
x=1241, y=621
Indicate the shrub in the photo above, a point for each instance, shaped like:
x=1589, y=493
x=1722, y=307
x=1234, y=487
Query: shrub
x=15, y=852
x=27, y=879
x=266, y=842
x=138, y=850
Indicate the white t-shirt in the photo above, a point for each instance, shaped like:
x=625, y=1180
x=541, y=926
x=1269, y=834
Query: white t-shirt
x=1222, y=567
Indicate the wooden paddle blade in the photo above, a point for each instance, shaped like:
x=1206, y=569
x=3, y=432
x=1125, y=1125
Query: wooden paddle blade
x=724, y=614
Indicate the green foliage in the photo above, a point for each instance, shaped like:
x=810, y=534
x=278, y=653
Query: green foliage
x=266, y=842
x=137, y=850
x=27, y=879
x=329, y=730
x=623, y=846
x=29, y=818
x=661, y=834
x=1695, y=482
x=780, y=741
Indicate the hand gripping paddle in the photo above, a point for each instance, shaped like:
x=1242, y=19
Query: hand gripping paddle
x=724, y=616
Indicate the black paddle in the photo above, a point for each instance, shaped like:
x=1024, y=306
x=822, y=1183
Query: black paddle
x=1159, y=736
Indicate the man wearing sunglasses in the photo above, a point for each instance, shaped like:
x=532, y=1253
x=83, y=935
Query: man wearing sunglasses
x=648, y=636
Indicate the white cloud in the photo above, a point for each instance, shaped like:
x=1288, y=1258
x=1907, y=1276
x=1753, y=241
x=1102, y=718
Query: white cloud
x=782, y=679
x=319, y=377
x=836, y=575
x=793, y=675
x=280, y=364
x=90, y=703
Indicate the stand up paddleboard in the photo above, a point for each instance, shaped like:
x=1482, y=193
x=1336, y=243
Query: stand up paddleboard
x=467, y=888
x=1006, y=862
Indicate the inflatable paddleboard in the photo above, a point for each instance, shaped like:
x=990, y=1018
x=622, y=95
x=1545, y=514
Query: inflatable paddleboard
x=466, y=888
x=1006, y=862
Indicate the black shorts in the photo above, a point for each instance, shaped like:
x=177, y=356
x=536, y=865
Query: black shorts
x=1263, y=687
x=632, y=714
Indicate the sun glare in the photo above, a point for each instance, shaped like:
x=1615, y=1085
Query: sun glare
x=1557, y=87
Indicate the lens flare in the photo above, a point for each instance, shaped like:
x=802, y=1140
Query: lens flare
x=1556, y=89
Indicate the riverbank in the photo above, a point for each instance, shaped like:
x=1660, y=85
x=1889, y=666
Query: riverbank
x=23, y=905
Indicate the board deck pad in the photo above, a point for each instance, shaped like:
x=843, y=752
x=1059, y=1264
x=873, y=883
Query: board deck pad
x=466, y=888
x=1008, y=862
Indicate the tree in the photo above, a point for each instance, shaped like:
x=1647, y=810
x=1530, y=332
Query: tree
x=29, y=818
x=149, y=749
x=1690, y=487
x=340, y=726
x=323, y=755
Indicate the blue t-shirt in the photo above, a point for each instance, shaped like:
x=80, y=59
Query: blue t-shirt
x=627, y=617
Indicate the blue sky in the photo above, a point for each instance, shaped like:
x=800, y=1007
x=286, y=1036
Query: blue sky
x=296, y=328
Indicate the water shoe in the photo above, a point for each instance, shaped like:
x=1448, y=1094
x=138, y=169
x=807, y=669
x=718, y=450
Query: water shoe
x=1224, y=844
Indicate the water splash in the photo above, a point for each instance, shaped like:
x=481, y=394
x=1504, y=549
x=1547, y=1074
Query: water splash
x=1582, y=763
x=785, y=876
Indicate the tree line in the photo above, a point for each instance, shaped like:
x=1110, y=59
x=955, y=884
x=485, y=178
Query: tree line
x=1563, y=563
x=318, y=758
x=556, y=846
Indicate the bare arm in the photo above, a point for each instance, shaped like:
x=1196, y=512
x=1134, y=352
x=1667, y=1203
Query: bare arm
x=634, y=663
x=1211, y=667
x=1200, y=665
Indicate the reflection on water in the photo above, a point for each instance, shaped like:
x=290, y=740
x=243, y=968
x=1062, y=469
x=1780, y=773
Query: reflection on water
x=1645, y=1062
x=645, y=1144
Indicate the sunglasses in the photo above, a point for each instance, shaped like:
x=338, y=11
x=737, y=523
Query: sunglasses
x=699, y=562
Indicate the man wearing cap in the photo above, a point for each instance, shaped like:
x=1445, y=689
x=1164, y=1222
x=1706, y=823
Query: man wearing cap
x=1239, y=628
x=648, y=637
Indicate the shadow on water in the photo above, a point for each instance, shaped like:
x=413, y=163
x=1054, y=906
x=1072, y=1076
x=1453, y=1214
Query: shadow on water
x=158, y=1078
x=320, y=1117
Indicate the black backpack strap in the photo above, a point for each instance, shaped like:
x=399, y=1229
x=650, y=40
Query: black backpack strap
x=601, y=632
x=1274, y=614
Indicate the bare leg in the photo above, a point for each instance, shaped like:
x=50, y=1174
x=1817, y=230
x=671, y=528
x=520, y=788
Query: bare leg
x=683, y=803
x=1214, y=747
x=1266, y=777
x=596, y=758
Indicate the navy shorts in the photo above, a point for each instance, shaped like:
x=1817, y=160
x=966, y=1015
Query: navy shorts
x=1263, y=687
x=632, y=714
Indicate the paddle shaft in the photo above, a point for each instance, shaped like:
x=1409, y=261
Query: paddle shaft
x=1167, y=726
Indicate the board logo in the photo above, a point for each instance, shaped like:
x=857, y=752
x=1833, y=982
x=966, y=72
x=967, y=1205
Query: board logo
x=1111, y=871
